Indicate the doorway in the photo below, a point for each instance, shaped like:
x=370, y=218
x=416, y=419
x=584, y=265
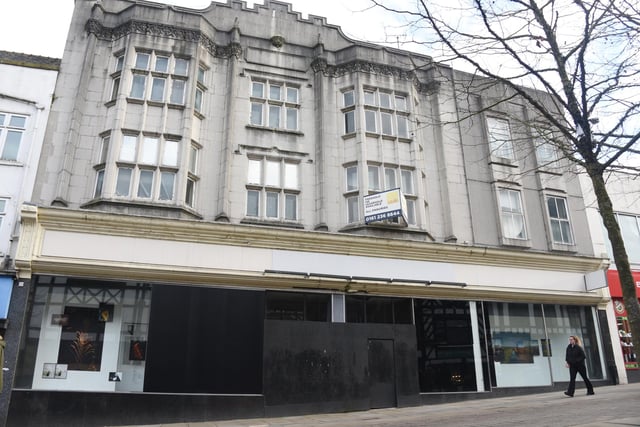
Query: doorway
x=382, y=377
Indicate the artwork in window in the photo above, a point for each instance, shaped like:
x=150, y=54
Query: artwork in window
x=511, y=347
x=137, y=350
x=81, y=339
x=105, y=312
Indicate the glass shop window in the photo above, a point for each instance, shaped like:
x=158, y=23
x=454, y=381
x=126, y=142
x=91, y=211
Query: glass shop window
x=362, y=309
x=298, y=306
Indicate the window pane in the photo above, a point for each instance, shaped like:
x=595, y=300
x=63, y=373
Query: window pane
x=629, y=227
x=128, y=148
x=119, y=63
x=290, y=175
x=349, y=122
x=142, y=61
x=292, y=119
x=149, y=153
x=379, y=310
x=374, y=178
x=201, y=74
x=254, y=172
x=291, y=207
x=11, y=145
x=370, y=120
x=157, y=89
x=193, y=160
x=284, y=306
x=104, y=149
x=403, y=126
x=272, y=204
x=353, y=209
x=500, y=138
x=369, y=97
x=115, y=88
x=401, y=103
x=17, y=121
x=511, y=214
x=145, y=183
x=274, y=116
x=137, y=86
x=123, y=183
x=275, y=92
x=411, y=211
x=385, y=121
x=182, y=66
x=546, y=153
x=292, y=95
x=162, y=64
x=99, y=184
x=197, y=105
x=407, y=181
x=390, y=178
x=167, y=180
x=352, y=178
x=190, y=192
x=177, y=92
x=348, y=98
x=257, y=90
x=256, y=114
x=272, y=174
x=170, y=154
x=355, y=308
x=385, y=100
x=253, y=202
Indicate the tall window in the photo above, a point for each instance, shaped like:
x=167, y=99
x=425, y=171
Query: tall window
x=147, y=167
x=499, y=133
x=630, y=229
x=156, y=77
x=348, y=111
x=272, y=189
x=559, y=220
x=275, y=105
x=409, y=193
x=351, y=194
x=511, y=214
x=192, y=175
x=12, y=127
x=4, y=206
x=386, y=113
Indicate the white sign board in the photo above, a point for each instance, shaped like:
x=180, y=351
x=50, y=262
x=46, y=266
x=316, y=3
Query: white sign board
x=383, y=206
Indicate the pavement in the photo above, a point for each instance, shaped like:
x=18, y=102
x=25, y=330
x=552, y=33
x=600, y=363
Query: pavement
x=611, y=406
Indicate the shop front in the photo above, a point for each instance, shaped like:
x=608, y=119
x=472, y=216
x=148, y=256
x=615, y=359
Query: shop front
x=624, y=331
x=125, y=327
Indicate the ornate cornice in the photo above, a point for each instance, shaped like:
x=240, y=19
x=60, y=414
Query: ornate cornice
x=320, y=65
x=96, y=28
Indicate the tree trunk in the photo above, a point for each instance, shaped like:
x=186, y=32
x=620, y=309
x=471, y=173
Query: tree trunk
x=619, y=256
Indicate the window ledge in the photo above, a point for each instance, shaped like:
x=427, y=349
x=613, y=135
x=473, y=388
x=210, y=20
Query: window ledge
x=104, y=204
x=14, y=163
x=502, y=161
x=562, y=247
x=135, y=101
x=175, y=106
x=517, y=243
x=272, y=223
x=276, y=130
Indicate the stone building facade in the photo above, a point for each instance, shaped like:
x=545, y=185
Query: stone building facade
x=242, y=212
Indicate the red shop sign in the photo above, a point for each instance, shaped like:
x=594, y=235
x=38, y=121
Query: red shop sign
x=614, y=282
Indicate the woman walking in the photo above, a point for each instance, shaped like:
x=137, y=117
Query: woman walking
x=575, y=362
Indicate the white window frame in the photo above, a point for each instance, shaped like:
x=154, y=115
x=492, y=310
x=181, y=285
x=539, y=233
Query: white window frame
x=4, y=209
x=512, y=215
x=8, y=126
x=273, y=188
x=559, y=226
x=500, y=138
x=275, y=105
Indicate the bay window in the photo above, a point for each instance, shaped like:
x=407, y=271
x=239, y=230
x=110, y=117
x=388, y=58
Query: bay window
x=272, y=189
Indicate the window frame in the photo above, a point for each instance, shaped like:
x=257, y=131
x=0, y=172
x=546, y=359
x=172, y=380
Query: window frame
x=272, y=189
x=9, y=148
x=271, y=105
x=559, y=221
x=509, y=214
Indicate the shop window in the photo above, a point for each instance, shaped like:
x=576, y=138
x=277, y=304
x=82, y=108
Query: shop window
x=360, y=309
x=298, y=306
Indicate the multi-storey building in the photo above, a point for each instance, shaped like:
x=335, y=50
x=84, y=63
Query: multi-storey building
x=242, y=212
x=624, y=191
x=26, y=87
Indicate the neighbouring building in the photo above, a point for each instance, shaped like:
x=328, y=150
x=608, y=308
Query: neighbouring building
x=241, y=212
x=26, y=88
x=624, y=191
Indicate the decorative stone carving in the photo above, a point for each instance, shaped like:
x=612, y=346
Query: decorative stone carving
x=93, y=26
